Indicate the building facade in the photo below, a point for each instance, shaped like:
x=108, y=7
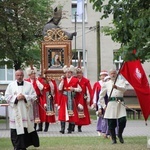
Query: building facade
x=67, y=23
x=107, y=46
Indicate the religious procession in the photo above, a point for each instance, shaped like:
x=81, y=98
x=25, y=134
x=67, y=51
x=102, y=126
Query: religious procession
x=60, y=92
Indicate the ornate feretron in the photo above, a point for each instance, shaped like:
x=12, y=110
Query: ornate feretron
x=55, y=42
x=55, y=35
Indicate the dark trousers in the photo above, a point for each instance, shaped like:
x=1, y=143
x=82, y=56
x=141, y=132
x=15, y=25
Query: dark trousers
x=112, y=123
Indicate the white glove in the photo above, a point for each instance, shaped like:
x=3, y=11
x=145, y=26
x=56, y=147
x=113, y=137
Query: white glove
x=58, y=107
x=93, y=106
x=62, y=77
x=45, y=106
x=80, y=106
x=96, y=113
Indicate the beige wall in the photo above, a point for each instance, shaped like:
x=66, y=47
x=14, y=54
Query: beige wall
x=107, y=45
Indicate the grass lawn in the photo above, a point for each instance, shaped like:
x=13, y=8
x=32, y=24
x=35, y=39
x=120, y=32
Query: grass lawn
x=2, y=120
x=82, y=143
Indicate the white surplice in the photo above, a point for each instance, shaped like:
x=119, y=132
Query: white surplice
x=20, y=114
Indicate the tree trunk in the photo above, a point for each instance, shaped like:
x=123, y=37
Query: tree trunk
x=17, y=65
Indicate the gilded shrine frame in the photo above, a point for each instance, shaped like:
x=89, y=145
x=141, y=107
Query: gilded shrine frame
x=55, y=54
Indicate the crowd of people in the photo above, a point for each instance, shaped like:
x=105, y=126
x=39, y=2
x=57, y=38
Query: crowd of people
x=34, y=101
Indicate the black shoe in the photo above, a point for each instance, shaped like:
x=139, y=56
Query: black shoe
x=45, y=130
x=62, y=131
x=120, y=134
x=113, y=136
x=35, y=125
x=79, y=130
x=70, y=128
x=38, y=130
x=69, y=131
x=114, y=141
x=121, y=139
x=46, y=126
x=73, y=127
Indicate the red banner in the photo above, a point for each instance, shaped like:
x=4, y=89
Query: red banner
x=135, y=75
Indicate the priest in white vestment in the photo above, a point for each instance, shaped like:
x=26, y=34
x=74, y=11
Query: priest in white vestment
x=20, y=95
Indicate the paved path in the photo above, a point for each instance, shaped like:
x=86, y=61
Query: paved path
x=133, y=128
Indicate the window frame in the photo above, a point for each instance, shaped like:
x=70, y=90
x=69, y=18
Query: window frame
x=74, y=2
x=119, y=61
x=75, y=61
x=6, y=81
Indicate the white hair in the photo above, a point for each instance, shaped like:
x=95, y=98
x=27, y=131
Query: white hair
x=112, y=70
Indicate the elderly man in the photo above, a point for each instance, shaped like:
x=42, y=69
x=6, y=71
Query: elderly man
x=19, y=95
x=114, y=110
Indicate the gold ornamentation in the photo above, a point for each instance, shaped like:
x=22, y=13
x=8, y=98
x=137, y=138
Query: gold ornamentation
x=50, y=113
x=55, y=76
x=37, y=120
x=55, y=35
x=70, y=113
x=81, y=114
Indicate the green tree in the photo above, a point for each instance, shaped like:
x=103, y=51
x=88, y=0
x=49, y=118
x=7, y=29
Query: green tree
x=130, y=26
x=20, y=23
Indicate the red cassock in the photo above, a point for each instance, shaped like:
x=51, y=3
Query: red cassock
x=48, y=89
x=63, y=102
x=96, y=91
x=86, y=88
x=38, y=92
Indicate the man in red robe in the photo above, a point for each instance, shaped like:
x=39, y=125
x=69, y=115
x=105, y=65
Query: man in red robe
x=68, y=87
x=84, y=117
x=38, y=86
x=49, y=97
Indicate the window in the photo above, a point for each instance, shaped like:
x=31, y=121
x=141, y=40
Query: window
x=78, y=54
x=74, y=9
x=118, y=61
x=6, y=74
